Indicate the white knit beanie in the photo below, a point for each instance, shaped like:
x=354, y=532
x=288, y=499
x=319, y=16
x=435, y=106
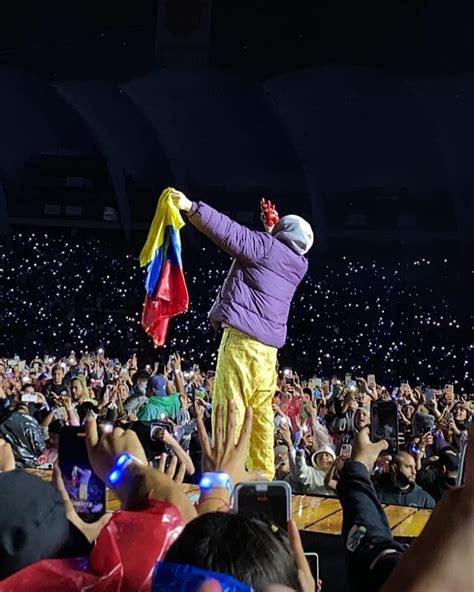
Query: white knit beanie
x=295, y=232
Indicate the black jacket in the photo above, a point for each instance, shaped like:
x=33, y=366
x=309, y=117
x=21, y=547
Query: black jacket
x=25, y=436
x=370, y=549
x=414, y=496
x=434, y=483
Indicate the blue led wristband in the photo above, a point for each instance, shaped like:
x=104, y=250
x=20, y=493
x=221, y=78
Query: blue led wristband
x=216, y=480
x=121, y=463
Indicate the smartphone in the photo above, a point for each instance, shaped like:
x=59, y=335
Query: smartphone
x=271, y=500
x=347, y=378
x=346, y=451
x=462, y=467
x=86, y=490
x=29, y=398
x=124, y=372
x=352, y=385
x=313, y=562
x=429, y=394
x=384, y=423
x=371, y=380
x=318, y=382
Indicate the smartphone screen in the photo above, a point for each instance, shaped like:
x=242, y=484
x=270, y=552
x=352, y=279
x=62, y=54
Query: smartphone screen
x=371, y=380
x=384, y=423
x=86, y=490
x=271, y=500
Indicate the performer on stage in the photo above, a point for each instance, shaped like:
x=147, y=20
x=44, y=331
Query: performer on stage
x=252, y=307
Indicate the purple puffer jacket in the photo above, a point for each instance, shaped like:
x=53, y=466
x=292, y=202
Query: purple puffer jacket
x=256, y=295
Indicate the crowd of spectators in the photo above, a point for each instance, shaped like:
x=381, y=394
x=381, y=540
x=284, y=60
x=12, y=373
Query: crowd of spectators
x=74, y=355
x=316, y=420
x=349, y=314
x=321, y=427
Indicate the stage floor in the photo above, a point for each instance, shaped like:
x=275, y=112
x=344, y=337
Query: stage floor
x=315, y=514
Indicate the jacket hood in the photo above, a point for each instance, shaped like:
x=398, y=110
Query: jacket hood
x=327, y=449
x=295, y=232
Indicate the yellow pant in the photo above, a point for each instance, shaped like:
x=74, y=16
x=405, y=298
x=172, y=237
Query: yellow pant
x=246, y=373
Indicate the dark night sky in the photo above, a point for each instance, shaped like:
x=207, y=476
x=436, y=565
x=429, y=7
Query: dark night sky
x=110, y=40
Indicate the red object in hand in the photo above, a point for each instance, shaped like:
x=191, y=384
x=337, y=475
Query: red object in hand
x=269, y=213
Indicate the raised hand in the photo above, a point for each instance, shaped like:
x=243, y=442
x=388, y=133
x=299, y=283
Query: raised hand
x=175, y=362
x=365, y=451
x=104, y=449
x=285, y=433
x=225, y=455
x=362, y=384
x=173, y=471
x=269, y=215
x=181, y=201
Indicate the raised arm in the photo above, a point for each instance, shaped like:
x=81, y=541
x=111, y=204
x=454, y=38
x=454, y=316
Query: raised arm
x=234, y=239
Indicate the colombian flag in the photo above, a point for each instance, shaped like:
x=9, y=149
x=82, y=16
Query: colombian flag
x=166, y=291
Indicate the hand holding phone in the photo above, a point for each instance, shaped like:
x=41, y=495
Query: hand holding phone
x=346, y=451
x=429, y=394
x=384, y=423
x=85, y=489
